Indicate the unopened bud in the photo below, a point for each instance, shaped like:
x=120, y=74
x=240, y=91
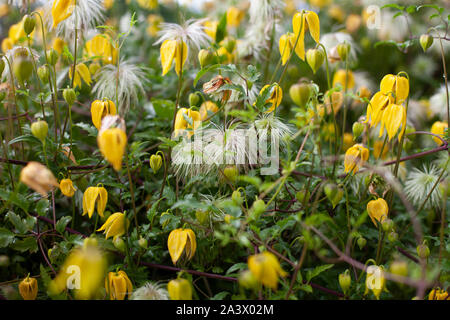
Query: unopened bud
x=237, y=198
x=301, y=195
x=300, y=93
x=343, y=49
x=333, y=193
x=247, y=280
x=119, y=244
x=202, y=216
x=426, y=41
x=29, y=22
x=257, y=209
x=143, y=243
x=39, y=129
x=387, y=225
x=205, y=57
x=52, y=56
x=345, y=281
x=194, y=99
x=399, y=268
x=315, y=58
x=423, y=251
x=231, y=173
x=155, y=162
x=358, y=129
x=43, y=74
x=23, y=68
x=392, y=236
x=361, y=242
x=70, y=96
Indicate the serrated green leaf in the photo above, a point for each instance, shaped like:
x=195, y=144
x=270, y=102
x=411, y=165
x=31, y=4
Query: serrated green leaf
x=27, y=244
x=6, y=237
x=62, y=223
x=310, y=274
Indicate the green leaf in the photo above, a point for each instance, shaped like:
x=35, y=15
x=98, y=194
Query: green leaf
x=18, y=223
x=306, y=288
x=25, y=138
x=6, y=237
x=393, y=6
x=221, y=30
x=236, y=267
x=42, y=207
x=317, y=270
x=220, y=295
x=27, y=244
x=202, y=72
x=164, y=108
x=92, y=130
x=16, y=198
x=62, y=223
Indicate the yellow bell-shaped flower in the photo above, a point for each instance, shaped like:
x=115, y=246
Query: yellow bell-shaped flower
x=286, y=45
x=58, y=44
x=7, y=44
x=16, y=32
x=179, y=289
x=100, y=109
x=266, y=269
x=355, y=157
x=154, y=24
x=101, y=46
x=439, y=128
x=148, y=4
x=211, y=28
x=234, y=16
x=181, y=241
x=276, y=95
x=112, y=143
x=182, y=124
x=118, y=285
x=61, y=10
x=83, y=271
x=173, y=50
x=67, y=188
x=301, y=21
x=394, y=116
x=207, y=107
x=378, y=210
x=93, y=196
x=375, y=280
x=395, y=86
x=28, y=288
x=438, y=294
x=81, y=72
x=340, y=77
x=115, y=225
x=376, y=106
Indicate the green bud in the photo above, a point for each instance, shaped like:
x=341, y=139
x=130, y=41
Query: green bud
x=52, y=56
x=333, y=193
x=247, y=280
x=143, y=243
x=43, y=74
x=205, y=57
x=229, y=44
x=237, y=197
x=39, y=129
x=315, y=58
x=345, y=281
x=358, y=129
x=23, y=68
x=202, y=216
x=387, y=225
x=257, y=209
x=29, y=22
x=70, y=96
x=155, y=162
x=194, y=99
x=231, y=173
x=426, y=41
x=300, y=195
x=119, y=244
x=343, y=50
x=399, y=268
x=293, y=72
x=423, y=251
x=361, y=242
x=392, y=236
x=300, y=93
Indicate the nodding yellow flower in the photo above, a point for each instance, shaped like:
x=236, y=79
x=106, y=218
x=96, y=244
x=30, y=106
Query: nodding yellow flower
x=438, y=294
x=179, y=289
x=211, y=28
x=224, y=55
x=118, y=285
x=148, y=4
x=276, y=95
x=377, y=145
x=170, y=50
x=115, y=225
x=7, y=44
x=154, y=21
x=16, y=32
x=58, y=44
x=348, y=141
x=101, y=46
x=319, y=3
x=112, y=143
x=364, y=92
x=355, y=157
x=377, y=104
x=179, y=241
x=234, y=16
x=84, y=269
x=336, y=12
x=333, y=101
x=61, y=10
x=341, y=77
x=301, y=21
x=108, y=4
x=38, y=177
x=395, y=86
x=266, y=269
x=66, y=187
x=393, y=117
x=378, y=210
x=207, y=107
x=81, y=72
x=286, y=45
x=100, y=109
x=92, y=196
x=28, y=288
x=375, y=280
x=439, y=128
x=182, y=124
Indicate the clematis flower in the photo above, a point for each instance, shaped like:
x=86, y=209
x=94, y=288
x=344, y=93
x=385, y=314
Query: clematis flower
x=100, y=109
x=154, y=24
x=276, y=95
x=266, y=269
x=84, y=269
x=301, y=21
x=61, y=10
x=438, y=294
x=234, y=16
x=211, y=28
x=101, y=46
x=375, y=280
x=93, y=196
x=36, y=176
x=439, y=128
x=341, y=77
x=173, y=50
x=112, y=143
x=118, y=285
x=115, y=226
x=186, y=119
x=355, y=157
x=58, y=44
x=378, y=210
x=66, y=187
x=395, y=86
x=81, y=72
x=393, y=117
x=286, y=45
x=28, y=288
x=179, y=289
x=181, y=241
x=207, y=107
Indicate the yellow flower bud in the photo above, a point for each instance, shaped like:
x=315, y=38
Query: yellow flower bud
x=207, y=108
x=179, y=289
x=115, y=226
x=439, y=128
x=345, y=281
x=173, y=50
x=93, y=196
x=66, y=187
x=112, y=143
x=266, y=269
x=28, y=288
x=100, y=109
x=61, y=10
x=377, y=210
x=315, y=58
x=438, y=294
x=118, y=285
x=426, y=41
x=39, y=129
x=300, y=93
x=81, y=72
x=155, y=162
x=355, y=157
x=399, y=268
x=234, y=16
x=181, y=241
x=375, y=280
x=341, y=77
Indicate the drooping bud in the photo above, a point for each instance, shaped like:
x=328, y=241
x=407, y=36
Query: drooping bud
x=43, y=74
x=205, y=57
x=39, y=129
x=194, y=99
x=361, y=242
x=69, y=96
x=237, y=197
x=202, y=216
x=345, y=281
x=333, y=193
x=300, y=93
x=247, y=280
x=301, y=195
x=343, y=50
x=119, y=244
x=426, y=41
x=392, y=236
x=23, y=68
x=257, y=209
x=155, y=162
x=52, y=56
x=29, y=22
x=315, y=58
x=422, y=250
x=143, y=243
x=358, y=129
x=179, y=289
x=387, y=225
x=231, y=173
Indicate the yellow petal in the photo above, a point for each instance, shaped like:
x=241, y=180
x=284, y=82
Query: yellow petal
x=97, y=113
x=61, y=10
x=401, y=89
x=176, y=243
x=387, y=85
x=180, y=56
x=112, y=143
x=83, y=71
x=167, y=52
x=298, y=22
x=285, y=48
x=192, y=243
x=314, y=25
x=102, y=200
x=89, y=198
